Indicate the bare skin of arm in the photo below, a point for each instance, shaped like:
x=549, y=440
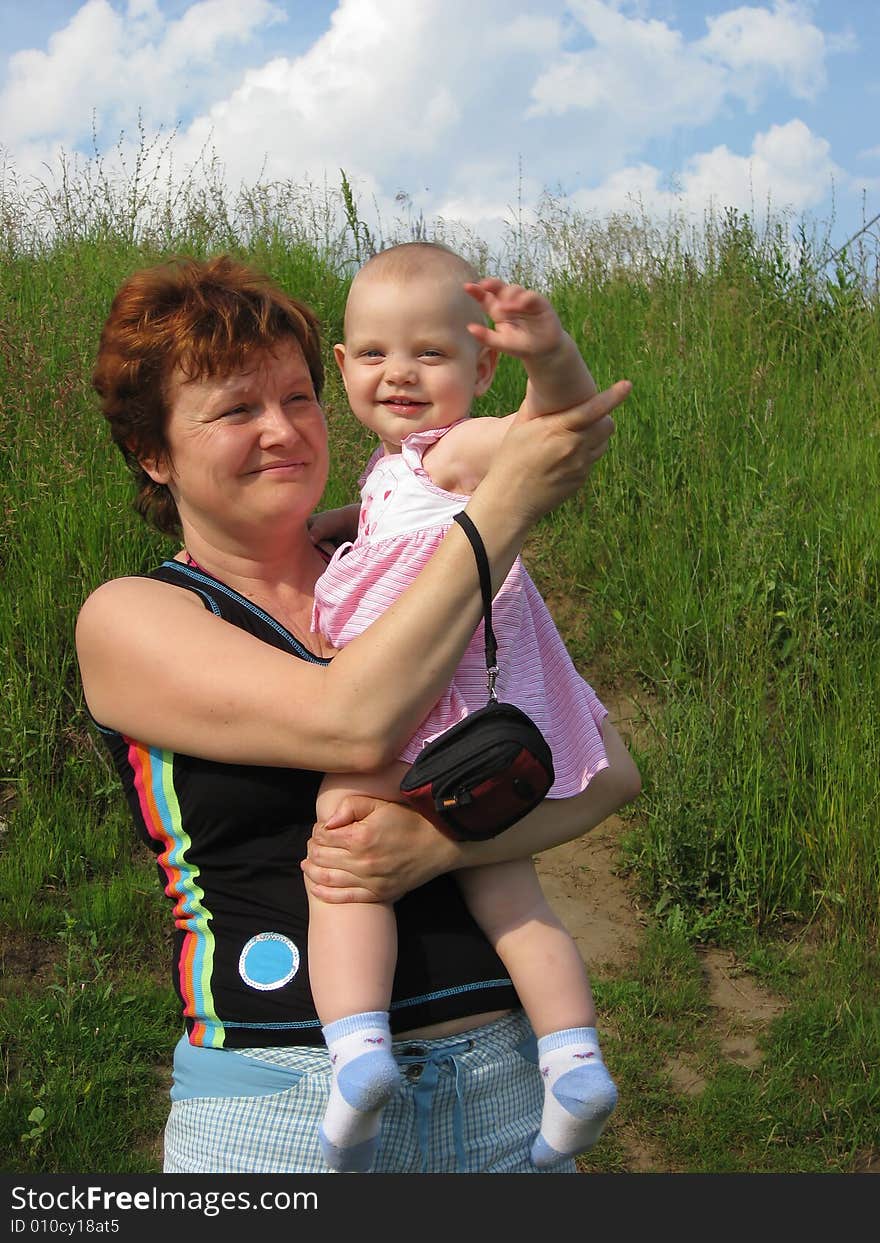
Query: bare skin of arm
x=526, y=327
x=372, y=851
x=334, y=526
x=159, y=667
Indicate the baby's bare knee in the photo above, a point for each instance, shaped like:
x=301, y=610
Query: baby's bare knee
x=627, y=779
x=620, y=782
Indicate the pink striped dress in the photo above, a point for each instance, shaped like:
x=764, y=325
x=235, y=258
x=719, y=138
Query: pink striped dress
x=404, y=516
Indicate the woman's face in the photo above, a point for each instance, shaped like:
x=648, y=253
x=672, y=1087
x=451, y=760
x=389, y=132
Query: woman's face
x=246, y=449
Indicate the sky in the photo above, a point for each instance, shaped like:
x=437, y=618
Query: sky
x=469, y=110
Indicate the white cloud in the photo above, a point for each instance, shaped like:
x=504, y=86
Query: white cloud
x=648, y=78
x=391, y=89
x=43, y=86
x=760, y=43
x=788, y=168
x=117, y=65
x=404, y=95
x=640, y=73
x=470, y=110
x=532, y=33
x=196, y=36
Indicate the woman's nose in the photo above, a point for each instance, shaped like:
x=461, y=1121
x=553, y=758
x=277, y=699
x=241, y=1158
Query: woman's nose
x=275, y=423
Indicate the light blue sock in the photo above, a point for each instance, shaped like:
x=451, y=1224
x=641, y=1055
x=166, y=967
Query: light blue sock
x=579, y=1095
x=365, y=1076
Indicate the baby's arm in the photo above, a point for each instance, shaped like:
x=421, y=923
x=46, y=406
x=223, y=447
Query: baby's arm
x=459, y=461
x=528, y=328
x=335, y=526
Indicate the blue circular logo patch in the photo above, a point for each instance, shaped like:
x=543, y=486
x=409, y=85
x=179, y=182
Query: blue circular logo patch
x=269, y=960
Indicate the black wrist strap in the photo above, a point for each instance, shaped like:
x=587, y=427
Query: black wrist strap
x=486, y=589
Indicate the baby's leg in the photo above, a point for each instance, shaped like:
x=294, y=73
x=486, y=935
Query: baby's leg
x=352, y=945
x=544, y=963
x=546, y=967
x=352, y=951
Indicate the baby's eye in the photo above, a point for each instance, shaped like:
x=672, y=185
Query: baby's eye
x=371, y=354
x=432, y=353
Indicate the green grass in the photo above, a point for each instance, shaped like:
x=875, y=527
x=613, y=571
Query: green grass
x=811, y=1106
x=721, y=569
x=86, y=1058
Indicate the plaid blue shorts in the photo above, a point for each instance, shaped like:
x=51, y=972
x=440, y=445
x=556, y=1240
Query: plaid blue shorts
x=469, y=1103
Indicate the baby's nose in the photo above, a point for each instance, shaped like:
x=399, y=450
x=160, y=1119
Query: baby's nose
x=400, y=370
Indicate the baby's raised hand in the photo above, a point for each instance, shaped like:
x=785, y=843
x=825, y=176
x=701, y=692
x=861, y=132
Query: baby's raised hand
x=526, y=325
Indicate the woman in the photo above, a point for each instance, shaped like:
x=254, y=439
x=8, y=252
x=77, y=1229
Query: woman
x=222, y=711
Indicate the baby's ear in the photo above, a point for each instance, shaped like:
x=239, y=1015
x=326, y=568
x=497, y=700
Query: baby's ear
x=339, y=355
x=487, y=362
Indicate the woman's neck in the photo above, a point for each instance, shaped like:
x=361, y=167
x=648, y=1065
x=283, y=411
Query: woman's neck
x=278, y=559
x=279, y=576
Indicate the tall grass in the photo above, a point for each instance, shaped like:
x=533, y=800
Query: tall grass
x=737, y=548
x=723, y=565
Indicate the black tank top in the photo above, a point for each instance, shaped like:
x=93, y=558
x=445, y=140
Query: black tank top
x=228, y=840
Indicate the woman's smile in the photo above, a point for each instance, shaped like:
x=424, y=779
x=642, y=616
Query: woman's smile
x=289, y=467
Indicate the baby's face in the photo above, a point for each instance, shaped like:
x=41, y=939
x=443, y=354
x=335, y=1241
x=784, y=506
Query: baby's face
x=409, y=363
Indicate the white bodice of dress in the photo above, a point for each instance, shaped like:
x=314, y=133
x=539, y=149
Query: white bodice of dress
x=398, y=495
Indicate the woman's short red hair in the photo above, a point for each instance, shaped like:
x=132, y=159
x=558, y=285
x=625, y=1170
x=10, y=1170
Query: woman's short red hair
x=204, y=318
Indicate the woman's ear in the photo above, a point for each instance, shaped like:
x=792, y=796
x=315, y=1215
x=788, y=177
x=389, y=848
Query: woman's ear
x=158, y=468
x=487, y=362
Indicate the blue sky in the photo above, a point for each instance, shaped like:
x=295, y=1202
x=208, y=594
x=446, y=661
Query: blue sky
x=468, y=107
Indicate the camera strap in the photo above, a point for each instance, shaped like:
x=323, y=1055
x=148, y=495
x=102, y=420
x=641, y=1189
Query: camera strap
x=476, y=542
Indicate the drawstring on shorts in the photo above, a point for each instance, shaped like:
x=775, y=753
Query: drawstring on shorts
x=422, y=1067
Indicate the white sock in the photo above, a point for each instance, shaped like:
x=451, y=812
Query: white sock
x=365, y=1076
x=579, y=1095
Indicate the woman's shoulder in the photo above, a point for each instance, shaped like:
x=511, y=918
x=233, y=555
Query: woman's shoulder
x=118, y=592
x=115, y=602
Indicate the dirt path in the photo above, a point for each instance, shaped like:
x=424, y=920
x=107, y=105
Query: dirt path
x=601, y=910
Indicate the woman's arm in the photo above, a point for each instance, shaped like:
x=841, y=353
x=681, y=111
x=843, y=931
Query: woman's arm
x=376, y=851
x=159, y=667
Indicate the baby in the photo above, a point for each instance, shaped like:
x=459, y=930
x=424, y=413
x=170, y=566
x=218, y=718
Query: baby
x=417, y=352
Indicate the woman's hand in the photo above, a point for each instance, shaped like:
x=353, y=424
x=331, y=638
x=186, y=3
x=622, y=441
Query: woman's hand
x=543, y=461
x=373, y=851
